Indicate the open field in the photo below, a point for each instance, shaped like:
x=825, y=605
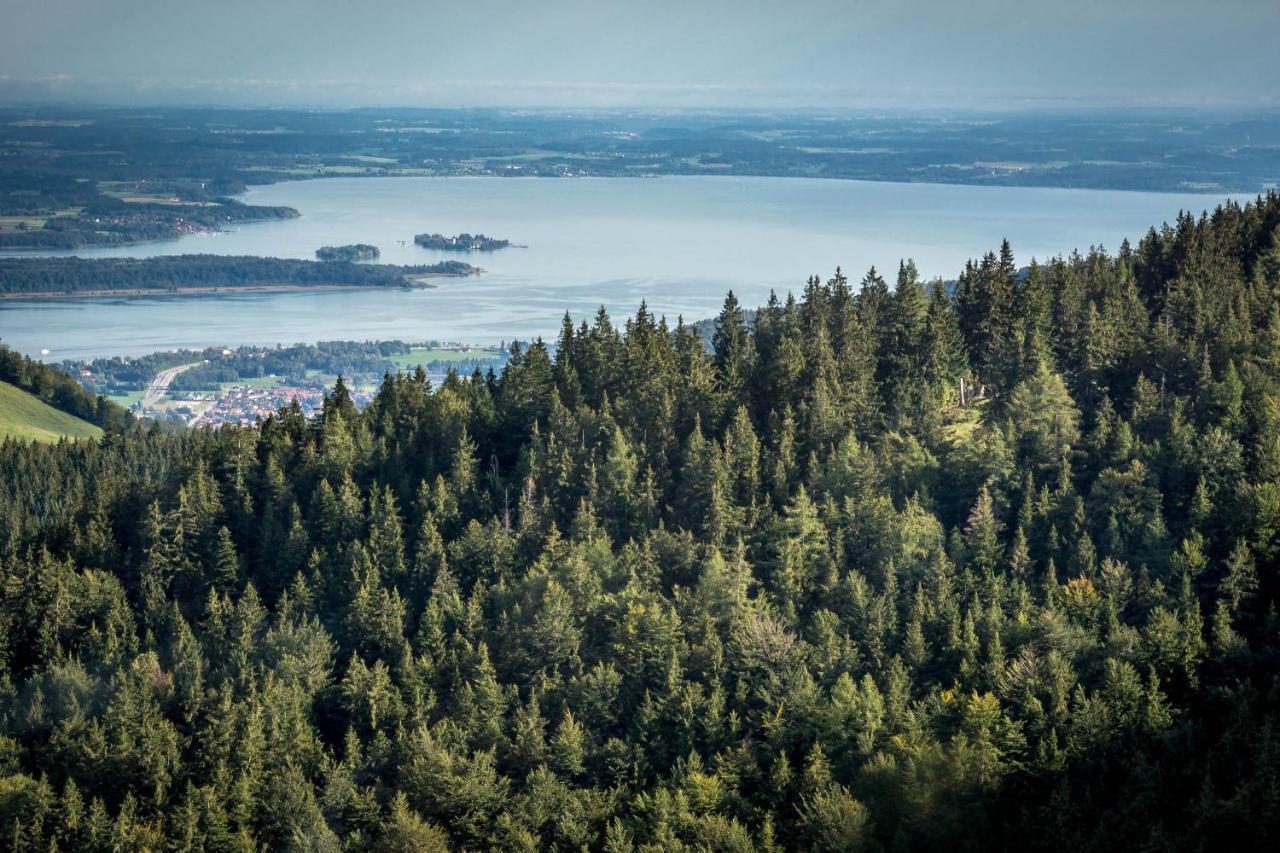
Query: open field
x=25, y=417
x=170, y=200
x=35, y=221
x=126, y=399
x=16, y=223
x=425, y=355
x=176, y=404
x=254, y=382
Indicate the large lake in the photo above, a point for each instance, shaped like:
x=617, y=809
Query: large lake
x=678, y=243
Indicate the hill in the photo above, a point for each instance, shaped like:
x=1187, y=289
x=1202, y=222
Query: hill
x=52, y=386
x=24, y=417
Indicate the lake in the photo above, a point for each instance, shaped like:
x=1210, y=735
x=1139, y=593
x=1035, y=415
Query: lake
x=678, y=243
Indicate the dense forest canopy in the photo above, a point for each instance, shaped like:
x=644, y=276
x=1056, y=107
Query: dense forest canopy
x=632, y=593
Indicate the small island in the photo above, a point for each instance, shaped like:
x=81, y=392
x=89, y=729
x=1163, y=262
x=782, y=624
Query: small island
x=461, y=243
x=353, y=252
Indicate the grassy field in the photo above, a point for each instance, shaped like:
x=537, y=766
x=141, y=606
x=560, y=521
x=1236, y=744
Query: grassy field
x=253, y=382
x=12, y=223
x=35, y=223
x=426, y=355
x=126, y=399
x=24, y=417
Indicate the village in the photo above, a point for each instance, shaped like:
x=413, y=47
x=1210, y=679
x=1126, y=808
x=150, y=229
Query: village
x=220, y=386
x=242, y=405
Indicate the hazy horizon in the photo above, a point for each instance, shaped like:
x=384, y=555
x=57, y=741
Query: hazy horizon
x=983, y=55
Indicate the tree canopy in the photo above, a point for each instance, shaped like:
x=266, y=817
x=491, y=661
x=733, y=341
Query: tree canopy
x=796, y=590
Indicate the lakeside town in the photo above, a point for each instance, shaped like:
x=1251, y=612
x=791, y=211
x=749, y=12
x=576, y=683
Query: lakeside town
x=242, y=405
x=220, y=386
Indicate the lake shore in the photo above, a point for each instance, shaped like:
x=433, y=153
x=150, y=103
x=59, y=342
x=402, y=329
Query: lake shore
x=592, y=243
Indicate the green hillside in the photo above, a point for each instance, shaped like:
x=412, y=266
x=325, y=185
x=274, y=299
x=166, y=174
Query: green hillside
x=23, y=416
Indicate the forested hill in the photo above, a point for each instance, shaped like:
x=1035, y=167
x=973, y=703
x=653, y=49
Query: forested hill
x=62, y=392
x=787, y=594
x=26, y=418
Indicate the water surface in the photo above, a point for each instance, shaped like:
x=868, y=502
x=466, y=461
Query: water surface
x=679, y=243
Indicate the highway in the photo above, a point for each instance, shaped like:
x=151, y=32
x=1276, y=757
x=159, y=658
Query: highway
x=159, y=385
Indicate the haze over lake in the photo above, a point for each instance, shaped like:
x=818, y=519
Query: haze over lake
x=678, y=243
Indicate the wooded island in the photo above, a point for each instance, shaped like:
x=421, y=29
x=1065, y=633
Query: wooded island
x=353, y=252
x=461, y=243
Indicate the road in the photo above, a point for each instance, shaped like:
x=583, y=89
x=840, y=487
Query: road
x=160, y=385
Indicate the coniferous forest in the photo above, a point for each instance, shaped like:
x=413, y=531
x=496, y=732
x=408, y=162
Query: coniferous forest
x=894, y=566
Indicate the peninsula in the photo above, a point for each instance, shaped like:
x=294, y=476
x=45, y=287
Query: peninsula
x=26, y=278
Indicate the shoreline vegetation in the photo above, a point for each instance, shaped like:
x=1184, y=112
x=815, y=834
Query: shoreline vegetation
x=108, y=221
x=207, y=374
x=412, y=284
x=59, y=277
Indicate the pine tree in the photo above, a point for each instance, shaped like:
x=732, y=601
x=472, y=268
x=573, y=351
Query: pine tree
x=734, y=351
x=226, y=569
x=982, y=535
x=1241, y=581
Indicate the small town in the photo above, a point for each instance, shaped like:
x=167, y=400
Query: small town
x=243, y=405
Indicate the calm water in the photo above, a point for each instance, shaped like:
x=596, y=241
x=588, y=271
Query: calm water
x=678, y=243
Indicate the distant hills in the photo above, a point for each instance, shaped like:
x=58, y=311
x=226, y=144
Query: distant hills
x=117, y=175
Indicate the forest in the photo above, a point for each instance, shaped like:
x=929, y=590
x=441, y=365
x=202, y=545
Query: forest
x=61, y=275
x=890, y=568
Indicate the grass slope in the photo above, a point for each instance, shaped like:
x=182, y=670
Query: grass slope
x=25, y=417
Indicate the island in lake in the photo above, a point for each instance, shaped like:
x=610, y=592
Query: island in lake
x=27, y=278
x=353, y=252
x=461, y=243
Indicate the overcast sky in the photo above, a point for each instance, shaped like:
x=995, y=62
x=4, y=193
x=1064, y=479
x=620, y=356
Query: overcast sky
x=705, y=53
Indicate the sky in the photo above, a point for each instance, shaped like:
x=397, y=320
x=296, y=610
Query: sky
x=986, y=54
